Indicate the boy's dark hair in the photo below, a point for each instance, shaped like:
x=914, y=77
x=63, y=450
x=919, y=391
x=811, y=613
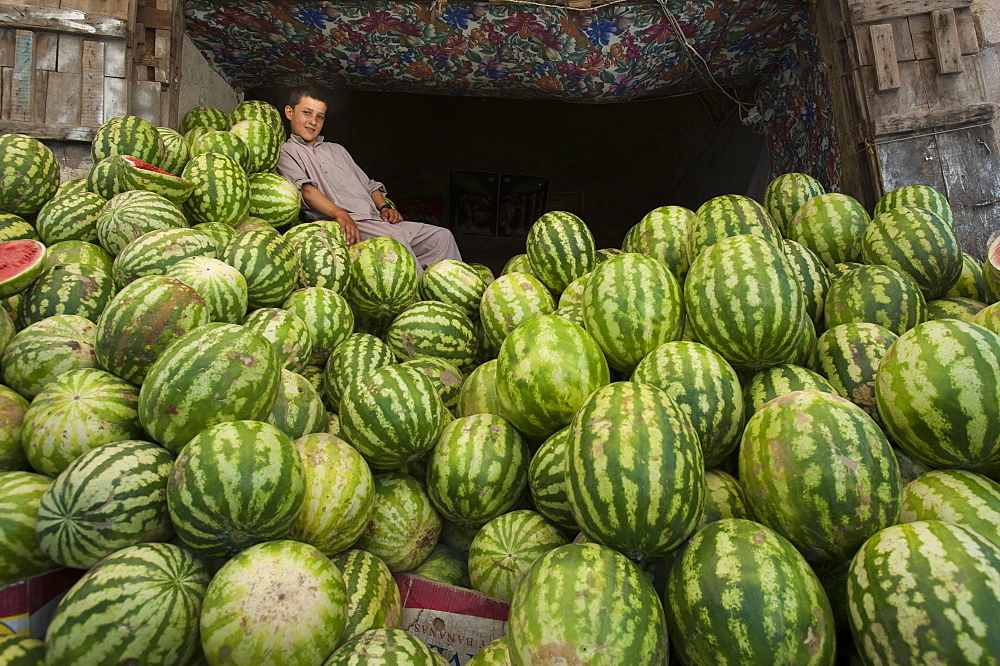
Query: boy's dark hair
x=297, y=93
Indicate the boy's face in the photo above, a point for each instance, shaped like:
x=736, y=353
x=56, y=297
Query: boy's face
x=306, y=118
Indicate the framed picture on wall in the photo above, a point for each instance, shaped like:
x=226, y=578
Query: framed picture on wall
x=472, y=202
x=521, y=201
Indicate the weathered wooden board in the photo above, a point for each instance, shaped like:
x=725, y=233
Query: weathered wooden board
x=62, y=20
x=884, y=49
x=871, y=11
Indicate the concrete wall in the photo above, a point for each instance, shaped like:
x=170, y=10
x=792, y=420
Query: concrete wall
x=201, y=85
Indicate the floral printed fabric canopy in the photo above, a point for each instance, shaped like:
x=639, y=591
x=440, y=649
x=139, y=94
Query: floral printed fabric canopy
x=616, y=52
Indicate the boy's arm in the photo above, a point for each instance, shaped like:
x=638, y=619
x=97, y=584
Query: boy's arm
x=390, y=215
x=320, y=203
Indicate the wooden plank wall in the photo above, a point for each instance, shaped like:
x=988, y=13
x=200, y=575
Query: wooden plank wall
x=66, y=66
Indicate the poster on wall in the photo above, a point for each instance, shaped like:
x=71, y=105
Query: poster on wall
x=485, y=203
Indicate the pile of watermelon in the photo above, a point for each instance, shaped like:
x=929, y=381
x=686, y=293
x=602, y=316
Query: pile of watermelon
x=756, y=433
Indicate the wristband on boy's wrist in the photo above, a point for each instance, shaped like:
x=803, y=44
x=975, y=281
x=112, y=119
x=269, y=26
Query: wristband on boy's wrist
x=384, y=206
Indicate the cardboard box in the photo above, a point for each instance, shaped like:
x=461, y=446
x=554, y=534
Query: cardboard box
x=26, y=607
x=454, y=621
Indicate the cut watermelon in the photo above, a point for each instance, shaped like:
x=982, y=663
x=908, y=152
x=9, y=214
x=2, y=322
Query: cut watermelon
x=139, y=175
x=20, y=263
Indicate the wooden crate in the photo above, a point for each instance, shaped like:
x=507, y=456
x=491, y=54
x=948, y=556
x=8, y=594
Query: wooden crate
x=66, y=66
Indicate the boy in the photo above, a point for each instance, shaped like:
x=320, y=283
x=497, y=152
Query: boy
x=334, y=187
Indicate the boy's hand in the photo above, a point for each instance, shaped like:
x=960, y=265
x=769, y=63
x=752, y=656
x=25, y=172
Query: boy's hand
x=348, y=227
x=391, y=215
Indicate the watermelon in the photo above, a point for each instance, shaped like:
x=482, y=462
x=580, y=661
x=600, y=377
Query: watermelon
x=837, y=271
x=267, y=262
x=477, y=470
x=274, y=199
x=637, y=436
x=916, y=196
x=547, y=481
x=70, y=217
x=13, y=227
x=455, y=283
x=546, y=369
x=221, y=192
x=383, y=277
x=970, y=282
x=954, y=307
x=505, y=549
x=382, y=647
x=174, y=151
x=39, y=353
x=925, y=590
x=848, y=355
x=572, y=295
x=741, y=593
x=141, y=321
x=479, y=391
x=256, y=109
x=519, y=263
x=484, y=272
x=457, y=537
x=780, y=380
x=909, y=468
x=446, y=377
x=327, y=316
x=358, y=355
x=617, y=620
x=263, y=145
x=323, y=257
x=21, y=261
x=221, y=142
x=289, y=336
x=404, y=526
x=221, y=287
x=220, y=234
x=204, y=116
x=182, y=392
x=102, y=179
x=76, y=289
x=724, y=498
x=560, y=248
x=496, y=653
x=954, y=496
x=876, y=295
x=245, y=503
x=153, y=253
x=852, y=489
x=298, y=409
x=663, y=235
x=78, y=411
x=935, y=390
x=989, y=317
x=436, y=329
x=143, y=601
x=18, y=650
x=373, y=600
x=785, y=195
x=730, y=215
x=131, y=214
x=134, y=174
x=812, y=277
x=742, y=299
x=511, y=300
x=20, y=496
x=29, y=174
x=445, y=565
x=126, y=135
x=258, y=608
x=77, y=252
x=111, y=497
x=393, y=415
x=71, y=186
x=831, y=226
x=12, y=409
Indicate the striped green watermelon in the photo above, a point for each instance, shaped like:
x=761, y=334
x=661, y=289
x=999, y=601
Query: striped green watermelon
x=916, y=196
x=496, y=653
x=324, y=260
x=925, y=591
x=836, y=271
x=274, y=199
x=220, y=234
x=78, y=411
x=327, y=316
x=954, y=307
x=477, y=470
x=505, y=549
x=560, y=248
x=275, y=603
x=954, y=496
x=183, y=390
x=263, y=145
x=876, y=295
x=852, y=489
x=102, y=179
x=222, y=190
x=483, y=271
x=255, y=494
x=153, y=253
x=989, y=317
x=383, y=277
x=70, y=217
x=991, y=270
x=339, y=494
x=785, y=195
x=631, y=305
x=970, y=282
x=221, y=287
x=909, y=467
x=433, y=328
x=29, y=174
x=126, y=135
x=373, y=600
x=832, y=226
x=288, y=334
x=143, y=601
x=267, y=262
x=740, y=593
x=298, y=409
x=663, y=234
x=479, y=391
x=447, y=378
x=509, y=301
x=547, y=481
x=455, y=283
x=20, y=496
x=445, y=565
x=393, y=415
x=457, y=537
x=39, y=353
x=221, y=142
x=936, y=389
x=17, y=650
x=848, y=355
x=742, y=299
x=12, y=409
x=14, y=227
x=358, y=355
x=77, y=252
x=730, y=215
x=724, y=498
x=781, y=380
x=204, y=116
x=111, y=497
x=572, y=295
x=812, y=276
x=519, y=263
x=256, y=109
x=404, y=527
x=546, y=369
x=134, y=174
x=634, y=470
x=77, y=289
x=383, y=647
x=617, y=620
x=705, y=387
x=131, y=214
x=250, y=223
x=174, y=150
x=72, y=186
x=192, y=135
x=917, y=242
x=142, y=320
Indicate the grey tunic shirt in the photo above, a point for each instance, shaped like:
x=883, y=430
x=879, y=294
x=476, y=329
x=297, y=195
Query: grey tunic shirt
x=329, y=168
